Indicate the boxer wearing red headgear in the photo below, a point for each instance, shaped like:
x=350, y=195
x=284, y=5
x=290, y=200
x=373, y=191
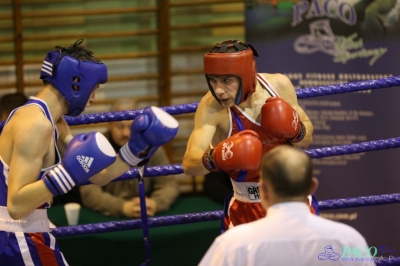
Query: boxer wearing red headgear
x=243, y=116
x=240, y=63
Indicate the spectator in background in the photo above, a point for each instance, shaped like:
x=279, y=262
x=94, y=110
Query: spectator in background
x=289, y=234
x=9, y=102
x=121, y=198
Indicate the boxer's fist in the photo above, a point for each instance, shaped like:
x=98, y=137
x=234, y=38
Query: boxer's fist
x=241, y=151
x=149, y=131
x=86, y=155
x=279, y=119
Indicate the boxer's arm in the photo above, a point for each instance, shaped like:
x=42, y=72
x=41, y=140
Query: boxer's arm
x=205, y=125
x=25, y=192
x=65, y=136
x=306, y=141
x=241, y=151
x=86, y=155
x=113, y=171
x=150, y=130
x=108, y=174
x=286, y=91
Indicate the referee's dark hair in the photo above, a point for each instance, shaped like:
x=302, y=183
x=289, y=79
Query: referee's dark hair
x=288, y=170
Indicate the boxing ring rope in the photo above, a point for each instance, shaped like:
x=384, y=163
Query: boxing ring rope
x=314, y=153
x=191, y=107
x=210, y=216
x=217, y=215
x=106, y=227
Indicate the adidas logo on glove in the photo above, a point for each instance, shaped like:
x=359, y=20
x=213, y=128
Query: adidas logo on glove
x=85, y=161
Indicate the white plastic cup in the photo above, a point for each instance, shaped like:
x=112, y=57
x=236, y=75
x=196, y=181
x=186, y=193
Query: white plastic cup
x=72, y=212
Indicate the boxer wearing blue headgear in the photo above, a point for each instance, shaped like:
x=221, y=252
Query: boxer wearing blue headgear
x=40, y=159
x=75, y=73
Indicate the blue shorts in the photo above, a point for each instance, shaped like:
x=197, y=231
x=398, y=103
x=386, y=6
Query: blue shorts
x=28, y=241
x=33, y=249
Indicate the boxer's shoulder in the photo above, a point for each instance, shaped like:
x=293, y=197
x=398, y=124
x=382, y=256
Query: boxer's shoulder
x=208, y=111
x=208, y=100
x=29, y=126
x=278, y=81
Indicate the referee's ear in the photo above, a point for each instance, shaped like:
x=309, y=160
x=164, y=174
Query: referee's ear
x=264, y=193
x=314, y=186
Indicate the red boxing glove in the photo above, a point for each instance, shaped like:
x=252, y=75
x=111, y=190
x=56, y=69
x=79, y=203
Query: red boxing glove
x=241, y=151
x=279, y=119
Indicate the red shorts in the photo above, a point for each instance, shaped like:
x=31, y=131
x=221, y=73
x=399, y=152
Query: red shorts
x=241, y=212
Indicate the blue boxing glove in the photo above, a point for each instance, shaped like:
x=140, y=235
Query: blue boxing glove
x=86, y=155
x=149, y=131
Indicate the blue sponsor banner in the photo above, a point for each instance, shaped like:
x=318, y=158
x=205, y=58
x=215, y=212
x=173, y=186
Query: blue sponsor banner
x=317, y=43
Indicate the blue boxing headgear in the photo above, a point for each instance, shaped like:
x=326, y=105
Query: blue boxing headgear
x=75, y=78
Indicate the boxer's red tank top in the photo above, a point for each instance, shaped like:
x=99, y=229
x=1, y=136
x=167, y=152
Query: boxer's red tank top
x=239, y=121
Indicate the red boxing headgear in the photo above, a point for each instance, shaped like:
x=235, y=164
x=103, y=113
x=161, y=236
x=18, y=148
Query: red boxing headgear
x=233, y=57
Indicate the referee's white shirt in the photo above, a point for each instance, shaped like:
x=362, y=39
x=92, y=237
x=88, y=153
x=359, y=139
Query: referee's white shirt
x=289, y=236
